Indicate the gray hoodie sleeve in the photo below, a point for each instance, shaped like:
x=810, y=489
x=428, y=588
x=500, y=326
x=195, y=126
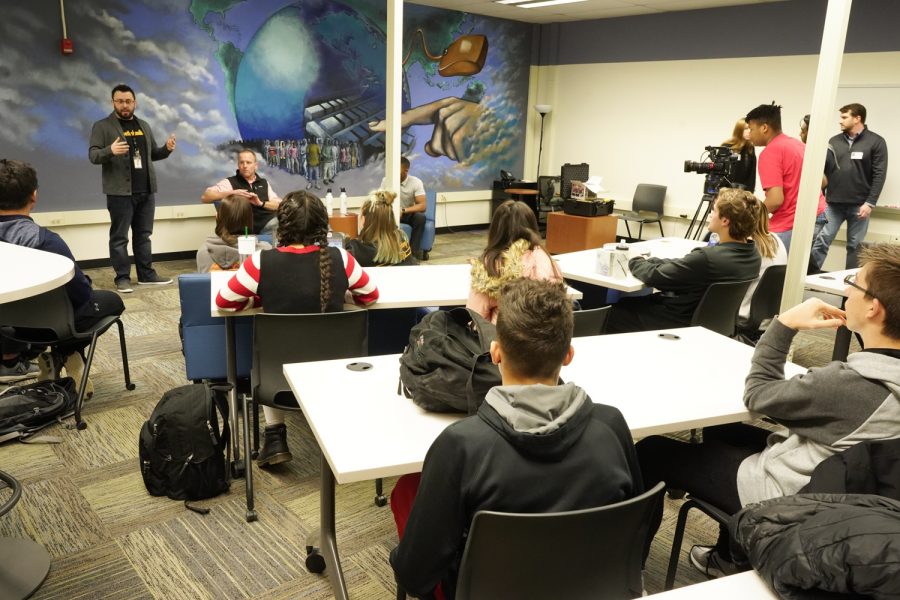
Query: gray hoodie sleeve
x=824, y=404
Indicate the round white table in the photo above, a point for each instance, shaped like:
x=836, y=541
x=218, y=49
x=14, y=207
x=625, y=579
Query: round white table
x=28, y=272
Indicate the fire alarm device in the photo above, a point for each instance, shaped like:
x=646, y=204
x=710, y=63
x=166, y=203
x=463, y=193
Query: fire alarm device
x=66, y=46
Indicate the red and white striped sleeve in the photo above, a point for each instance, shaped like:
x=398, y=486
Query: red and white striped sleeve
x=240, y=291
x=363, y=289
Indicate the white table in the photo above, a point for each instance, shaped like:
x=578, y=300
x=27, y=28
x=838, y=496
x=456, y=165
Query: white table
x=398, y=287
x=743, y=586
x=28, y=272
x=366, y=430
x=833, y=283
x=582, y=266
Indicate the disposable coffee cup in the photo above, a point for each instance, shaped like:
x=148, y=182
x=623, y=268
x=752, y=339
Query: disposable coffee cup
x=246, y=246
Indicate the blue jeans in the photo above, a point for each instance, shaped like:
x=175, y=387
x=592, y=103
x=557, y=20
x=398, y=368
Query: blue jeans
x=135, y=212
x=786, y=235
x=856, y=233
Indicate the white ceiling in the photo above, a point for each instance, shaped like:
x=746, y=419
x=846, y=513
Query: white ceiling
x=578, y=11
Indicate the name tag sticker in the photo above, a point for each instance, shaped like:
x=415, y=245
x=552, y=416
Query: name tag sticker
x=856, y=155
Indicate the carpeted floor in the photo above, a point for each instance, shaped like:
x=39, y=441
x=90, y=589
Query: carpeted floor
x=85, y=502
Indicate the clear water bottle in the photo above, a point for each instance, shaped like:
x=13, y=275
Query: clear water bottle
x=329, y=202
x=343, y=202
x=713, y=239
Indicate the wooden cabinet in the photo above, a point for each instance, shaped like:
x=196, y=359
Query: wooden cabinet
x=346, y=224
x=570, y=233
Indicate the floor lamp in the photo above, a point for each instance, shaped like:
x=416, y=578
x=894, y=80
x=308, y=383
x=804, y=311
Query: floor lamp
x=543, y=110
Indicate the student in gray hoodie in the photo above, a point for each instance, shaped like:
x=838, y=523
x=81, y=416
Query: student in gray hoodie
x=233, y=217
x=822, y=412
x=533, y=446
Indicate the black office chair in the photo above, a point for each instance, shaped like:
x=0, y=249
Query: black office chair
x=764, y=304
x=280, y=339
x=648, y=198
x=718, y=308
x=594, y=553
x=591, y=321
x=547, y=200
x=49, y=320
x=713, y=512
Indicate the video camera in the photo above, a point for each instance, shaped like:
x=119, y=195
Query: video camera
x=717, y=168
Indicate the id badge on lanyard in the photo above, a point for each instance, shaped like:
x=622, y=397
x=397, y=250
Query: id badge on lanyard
x=136, y=157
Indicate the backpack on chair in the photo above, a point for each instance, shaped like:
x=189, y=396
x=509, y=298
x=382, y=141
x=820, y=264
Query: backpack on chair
x=447, y=365
x=182, y=450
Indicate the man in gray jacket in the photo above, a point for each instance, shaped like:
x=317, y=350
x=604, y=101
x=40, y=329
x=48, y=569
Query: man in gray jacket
x=822, y=412
x=856, y=171
x=125, y=148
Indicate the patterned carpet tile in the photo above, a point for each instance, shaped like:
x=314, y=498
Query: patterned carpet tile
x=123, y=504
x=359, y=523
x=218, y=555
x=101, y=572
x=53, y=513
x=33, y=461
x=110, y=438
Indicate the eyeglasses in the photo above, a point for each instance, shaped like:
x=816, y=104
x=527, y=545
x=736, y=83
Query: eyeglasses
x=851, y=281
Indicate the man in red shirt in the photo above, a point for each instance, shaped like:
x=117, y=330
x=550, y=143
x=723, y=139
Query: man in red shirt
x=780, y=165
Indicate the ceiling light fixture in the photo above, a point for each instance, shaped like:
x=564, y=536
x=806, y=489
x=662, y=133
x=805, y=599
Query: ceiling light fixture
x=547, y=3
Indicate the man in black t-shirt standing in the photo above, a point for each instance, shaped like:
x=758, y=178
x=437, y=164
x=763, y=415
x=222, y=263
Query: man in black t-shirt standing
x=125, y=148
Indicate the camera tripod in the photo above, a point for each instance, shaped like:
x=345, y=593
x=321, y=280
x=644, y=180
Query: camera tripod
x=699, y=221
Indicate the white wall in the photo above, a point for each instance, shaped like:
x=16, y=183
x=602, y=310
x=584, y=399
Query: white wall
x=638, y=122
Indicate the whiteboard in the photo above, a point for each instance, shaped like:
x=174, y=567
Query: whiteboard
x=881, y=102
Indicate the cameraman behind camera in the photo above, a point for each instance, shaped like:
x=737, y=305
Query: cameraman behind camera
x=780, y=164
x=743, y=172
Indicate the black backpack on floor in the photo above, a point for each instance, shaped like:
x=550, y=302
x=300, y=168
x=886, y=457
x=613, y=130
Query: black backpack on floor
x=447, y=365
x=26, y=409
x=182, y=451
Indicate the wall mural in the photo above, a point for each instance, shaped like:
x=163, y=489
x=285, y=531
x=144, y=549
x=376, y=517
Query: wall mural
x=301, y=82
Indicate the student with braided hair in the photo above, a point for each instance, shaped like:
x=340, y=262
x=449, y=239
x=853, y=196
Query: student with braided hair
x=380, y=241
x=302, y=275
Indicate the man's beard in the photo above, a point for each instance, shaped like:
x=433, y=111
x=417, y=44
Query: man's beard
x=121, y=116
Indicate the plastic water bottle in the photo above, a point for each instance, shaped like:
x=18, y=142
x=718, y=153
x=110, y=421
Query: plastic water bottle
x=329, y=202
x=343, y=202
x=713, y=239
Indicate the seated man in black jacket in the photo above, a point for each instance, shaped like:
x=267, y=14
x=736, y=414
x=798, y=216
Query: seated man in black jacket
x=18, y=196
x=683, y=281
x=533, y=447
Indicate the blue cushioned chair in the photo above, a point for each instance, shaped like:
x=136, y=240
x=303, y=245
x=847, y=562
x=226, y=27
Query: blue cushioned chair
x=430, y=216
x=203, y=336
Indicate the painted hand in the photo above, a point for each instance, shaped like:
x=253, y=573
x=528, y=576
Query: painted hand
x=454, y=123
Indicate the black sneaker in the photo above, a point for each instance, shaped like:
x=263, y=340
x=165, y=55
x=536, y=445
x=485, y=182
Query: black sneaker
x=123, y=286
x=155, y=280
x=274, y=450
x=711, y=563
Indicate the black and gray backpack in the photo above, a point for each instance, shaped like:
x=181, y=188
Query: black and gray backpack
x=182, y=448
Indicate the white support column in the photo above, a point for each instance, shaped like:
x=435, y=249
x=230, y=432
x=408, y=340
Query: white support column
x=393, y=102
x=831, y=56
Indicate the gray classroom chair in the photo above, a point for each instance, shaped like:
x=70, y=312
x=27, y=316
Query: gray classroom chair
x=532, y=556
x=648, y=198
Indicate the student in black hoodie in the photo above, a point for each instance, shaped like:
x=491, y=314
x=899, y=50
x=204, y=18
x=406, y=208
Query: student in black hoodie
x=533, y=447
x=683, y=281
